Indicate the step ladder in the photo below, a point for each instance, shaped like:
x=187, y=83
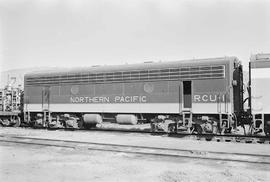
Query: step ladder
x=46, y=118
x=187, y=120
x=257, y=123
x=224, y=118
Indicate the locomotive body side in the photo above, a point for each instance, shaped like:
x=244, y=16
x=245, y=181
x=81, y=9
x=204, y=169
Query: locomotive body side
x=200, y=87
x=160, y=92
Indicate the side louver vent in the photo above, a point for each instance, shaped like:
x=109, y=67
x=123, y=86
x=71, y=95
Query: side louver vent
x=184, y=73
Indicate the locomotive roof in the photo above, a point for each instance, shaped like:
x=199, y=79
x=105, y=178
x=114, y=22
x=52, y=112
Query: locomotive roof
x=137, y=66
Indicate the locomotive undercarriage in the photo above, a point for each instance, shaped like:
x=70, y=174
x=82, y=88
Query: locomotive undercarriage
x=194, y=124
x=260, y=124
x=54, y=120
x=212, y=124
x=13, y=121
x=187, y=122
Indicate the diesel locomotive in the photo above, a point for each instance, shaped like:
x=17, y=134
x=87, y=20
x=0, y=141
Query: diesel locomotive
x=192, y=96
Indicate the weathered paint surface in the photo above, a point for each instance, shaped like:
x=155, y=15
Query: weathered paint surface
x=203, y=91
x=163, y=96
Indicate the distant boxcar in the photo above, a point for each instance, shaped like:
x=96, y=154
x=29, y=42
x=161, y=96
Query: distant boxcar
x=210, y=87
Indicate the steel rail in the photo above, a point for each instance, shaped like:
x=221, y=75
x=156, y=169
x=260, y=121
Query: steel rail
x=247, y=138
x=208, y=137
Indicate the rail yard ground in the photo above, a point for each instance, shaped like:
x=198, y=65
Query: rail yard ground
x=26, y=162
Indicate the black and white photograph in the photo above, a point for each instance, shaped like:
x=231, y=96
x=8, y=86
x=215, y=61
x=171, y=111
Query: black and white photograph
x=135, y=90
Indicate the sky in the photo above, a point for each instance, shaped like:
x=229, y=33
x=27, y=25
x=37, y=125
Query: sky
x=79, y=33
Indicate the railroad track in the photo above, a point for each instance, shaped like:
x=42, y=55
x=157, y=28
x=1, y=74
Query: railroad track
x=204, y=137
x=139, y=150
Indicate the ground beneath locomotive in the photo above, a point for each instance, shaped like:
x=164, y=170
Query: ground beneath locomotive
x=20, y=163
x=40, y=163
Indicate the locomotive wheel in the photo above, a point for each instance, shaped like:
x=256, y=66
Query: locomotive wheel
x=80, y=124
x=5, y=122
x=198, y=128
x=267, y=128
x=17, y=121
x=171, y=128
x=89, y=126
x=267, y=131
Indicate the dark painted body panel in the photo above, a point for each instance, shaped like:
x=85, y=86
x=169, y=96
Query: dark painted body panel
x=162, y=91
x=156, y=92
